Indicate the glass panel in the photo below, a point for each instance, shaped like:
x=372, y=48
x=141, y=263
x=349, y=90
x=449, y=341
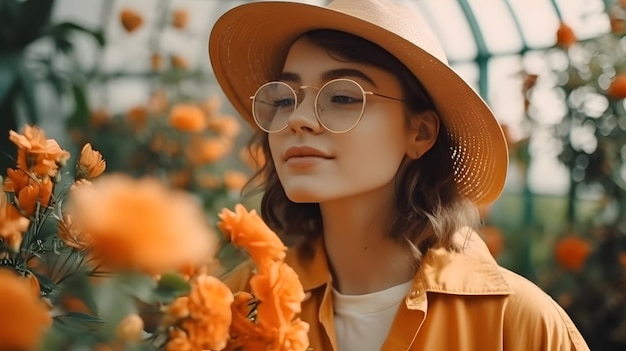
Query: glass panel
x=539, y=21
x=497, y=26
x=586, y=17
x=450, y=25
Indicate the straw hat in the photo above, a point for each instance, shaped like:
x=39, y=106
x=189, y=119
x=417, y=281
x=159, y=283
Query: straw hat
x=249, y=43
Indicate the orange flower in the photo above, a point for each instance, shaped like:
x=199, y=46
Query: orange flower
x=227, y=126
x=37, y=192
x=565, y=36
x=207, y=150
x=187, y=118
x=571, y=252
x=235, y=180
x=622, y=258
x=617, y=89
x=280, y=292
x=138, y=117
x=141, y=224
x=179, y=62
x=70, y=235
x=16, y=180
x=90, y=163
x=24, y=317
x=130, y=329
x=180, y=18
x=177, y=310
x=179, y=341
x=210, y=310
x=12, y=224
x=293, y=336
x=208, y=181
x=37, y=154
x=130, y=19
x=247, y=229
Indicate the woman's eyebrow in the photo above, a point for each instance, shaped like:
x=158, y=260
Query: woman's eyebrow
x=347, y=72
x=329, y=75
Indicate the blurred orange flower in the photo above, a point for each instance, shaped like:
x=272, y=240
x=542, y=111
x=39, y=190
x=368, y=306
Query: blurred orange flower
x=235, y=180
x=202, y=150
x=247, y=230
x=565, y=36
x=130, y=19
x=170, y=232
x=90, y=163
x=156, y=61
x=492, y=236
x=24, y=317
x=227, y=126
x=571, y=252
x=617, y=88
x=187, y=118
x=179, y=62
x=16, y=180
x=138, y=117
x=180, y=18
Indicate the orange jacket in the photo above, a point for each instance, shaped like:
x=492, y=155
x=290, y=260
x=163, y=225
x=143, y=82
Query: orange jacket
x=458, y=302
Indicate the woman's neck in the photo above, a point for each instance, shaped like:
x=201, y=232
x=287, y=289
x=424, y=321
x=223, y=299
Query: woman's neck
x=362, y=256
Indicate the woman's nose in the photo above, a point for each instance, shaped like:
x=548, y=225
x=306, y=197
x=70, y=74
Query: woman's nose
x=303, y=117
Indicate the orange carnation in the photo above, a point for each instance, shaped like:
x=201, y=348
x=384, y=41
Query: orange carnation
x=24, y=317
x=187, y=118
x=247, y=229
x=571, y=252
x=141, y=224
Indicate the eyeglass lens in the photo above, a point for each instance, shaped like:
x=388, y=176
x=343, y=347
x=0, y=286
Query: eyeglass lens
x=339, y=105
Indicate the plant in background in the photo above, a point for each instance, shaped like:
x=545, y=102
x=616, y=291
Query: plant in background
x=589, y=274
x=83, y=259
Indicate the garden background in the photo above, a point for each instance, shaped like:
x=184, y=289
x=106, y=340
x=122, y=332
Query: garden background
x=116, y=73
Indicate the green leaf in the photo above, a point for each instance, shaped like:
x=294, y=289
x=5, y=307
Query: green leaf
x=80, y=116
x=171, y=286
x=80, y=287
x=67, y=27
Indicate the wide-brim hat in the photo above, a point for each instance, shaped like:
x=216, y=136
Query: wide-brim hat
x=249, y=43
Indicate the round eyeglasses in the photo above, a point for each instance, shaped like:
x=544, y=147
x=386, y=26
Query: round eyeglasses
x=339, y=105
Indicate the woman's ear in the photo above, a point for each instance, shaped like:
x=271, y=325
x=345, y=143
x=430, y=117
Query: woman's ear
x=424, y=128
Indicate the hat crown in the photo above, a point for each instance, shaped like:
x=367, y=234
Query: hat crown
x=396, y=17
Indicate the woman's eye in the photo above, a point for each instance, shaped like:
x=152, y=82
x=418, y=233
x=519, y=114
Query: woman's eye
x=344, y=99
x=284, y=102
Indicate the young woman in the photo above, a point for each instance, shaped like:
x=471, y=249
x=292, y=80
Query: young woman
x=377, y=157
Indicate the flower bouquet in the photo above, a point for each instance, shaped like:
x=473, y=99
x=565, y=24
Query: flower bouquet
x=114, y=262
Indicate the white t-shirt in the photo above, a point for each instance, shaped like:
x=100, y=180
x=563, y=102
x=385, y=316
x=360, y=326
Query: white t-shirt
x=362, y=322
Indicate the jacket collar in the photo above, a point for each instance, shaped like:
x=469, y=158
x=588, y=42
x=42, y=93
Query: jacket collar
x=472, y=271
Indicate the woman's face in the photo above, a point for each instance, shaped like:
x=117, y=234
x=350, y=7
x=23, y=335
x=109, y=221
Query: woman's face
x=315, y=165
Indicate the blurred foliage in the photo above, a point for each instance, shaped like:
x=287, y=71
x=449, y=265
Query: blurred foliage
x=23, y=23
x=581, y=260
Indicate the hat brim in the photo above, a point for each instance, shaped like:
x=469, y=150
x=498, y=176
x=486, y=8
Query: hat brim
x=248, y=45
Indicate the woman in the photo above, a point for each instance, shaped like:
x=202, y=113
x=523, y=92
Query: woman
x=378, y=155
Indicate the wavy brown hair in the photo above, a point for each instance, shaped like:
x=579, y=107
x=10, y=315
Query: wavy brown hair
x=429, y=208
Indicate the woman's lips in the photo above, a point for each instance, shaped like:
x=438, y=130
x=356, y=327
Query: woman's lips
x=304, y=156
